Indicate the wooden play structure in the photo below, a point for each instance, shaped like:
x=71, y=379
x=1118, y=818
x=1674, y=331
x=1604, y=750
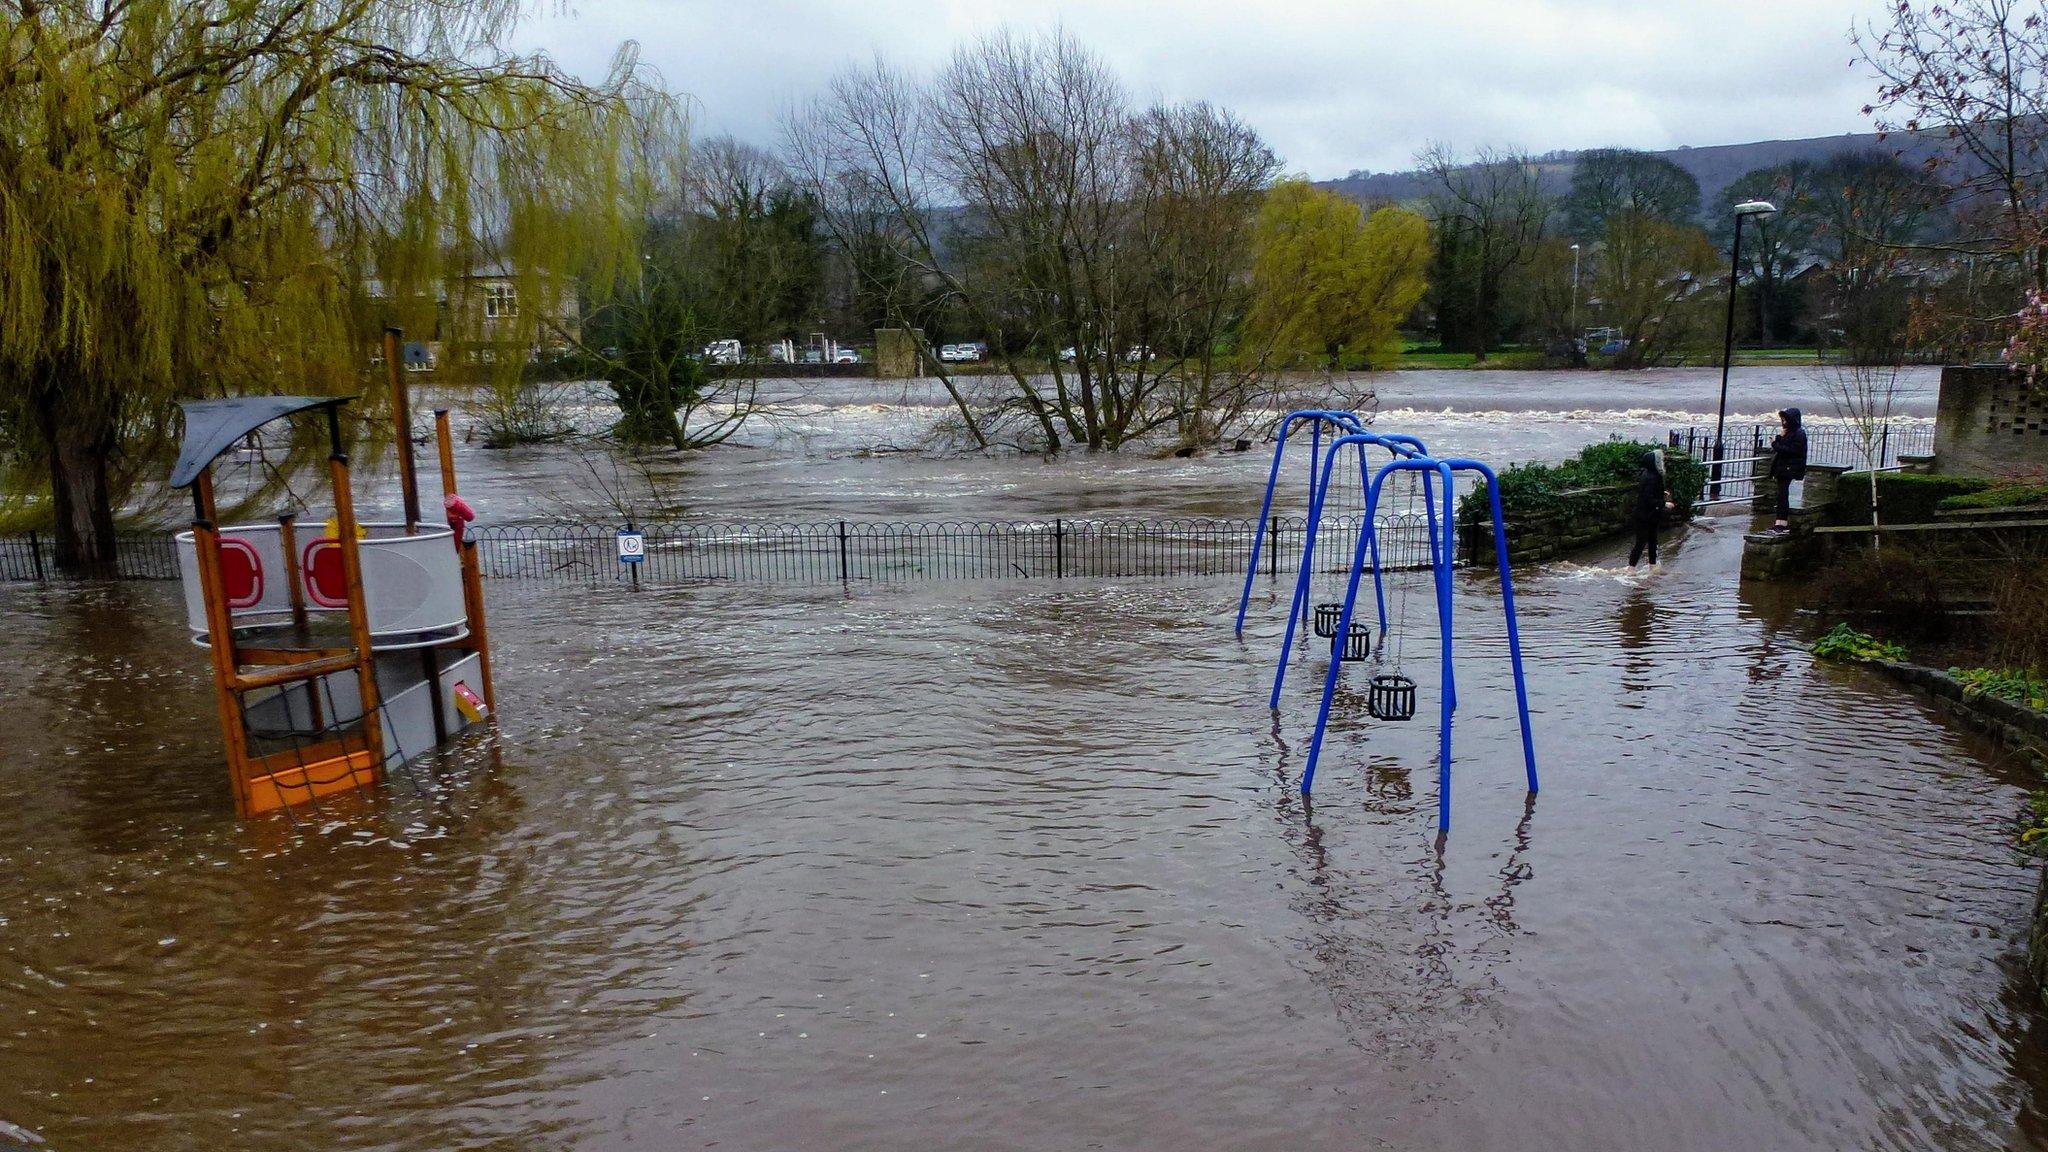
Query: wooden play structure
x=338, y=655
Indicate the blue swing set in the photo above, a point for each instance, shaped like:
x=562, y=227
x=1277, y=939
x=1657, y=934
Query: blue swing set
x=1392, y=696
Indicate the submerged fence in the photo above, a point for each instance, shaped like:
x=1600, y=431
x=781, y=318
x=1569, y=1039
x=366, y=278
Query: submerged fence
x=857, y=550
x=899, y=551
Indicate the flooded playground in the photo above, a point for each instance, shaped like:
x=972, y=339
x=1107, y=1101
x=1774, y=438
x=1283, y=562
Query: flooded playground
x=1023, y=864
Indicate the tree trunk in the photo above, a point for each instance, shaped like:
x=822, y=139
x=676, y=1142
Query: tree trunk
x=78, y=440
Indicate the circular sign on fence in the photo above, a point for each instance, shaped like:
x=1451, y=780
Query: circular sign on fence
x=632, y=547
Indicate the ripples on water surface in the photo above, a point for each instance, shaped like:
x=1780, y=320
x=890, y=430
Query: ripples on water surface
x=831, y=429
x=1021, y=865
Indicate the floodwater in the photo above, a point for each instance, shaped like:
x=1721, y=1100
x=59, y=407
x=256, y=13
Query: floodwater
x=1015, y=864
x=837, y=449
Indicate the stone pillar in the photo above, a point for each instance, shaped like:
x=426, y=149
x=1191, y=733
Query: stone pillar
x=1822, y=482
x=1764, y=493
x=1990, y=420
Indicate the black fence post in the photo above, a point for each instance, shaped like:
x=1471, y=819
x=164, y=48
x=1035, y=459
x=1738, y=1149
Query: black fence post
x=843, y=577
x=1059, y=549
x=1884, y=448
x=1273, y=548
x=35, y=554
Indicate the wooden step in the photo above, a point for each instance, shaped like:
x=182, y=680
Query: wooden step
x=273, y=785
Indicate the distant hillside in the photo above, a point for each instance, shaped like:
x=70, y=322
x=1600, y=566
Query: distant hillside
x=1714, y=166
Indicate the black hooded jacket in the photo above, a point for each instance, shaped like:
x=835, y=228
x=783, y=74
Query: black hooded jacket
x=1649, y=500
x=1788, y=448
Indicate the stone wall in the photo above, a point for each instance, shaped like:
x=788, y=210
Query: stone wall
x=1603, y=514
x=1990, y=420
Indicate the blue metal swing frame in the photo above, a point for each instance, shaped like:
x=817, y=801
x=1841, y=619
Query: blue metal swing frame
x=1441, y=549
x=1352, y=430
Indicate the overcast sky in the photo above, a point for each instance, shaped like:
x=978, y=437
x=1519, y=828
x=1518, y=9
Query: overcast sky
x=1332, y=85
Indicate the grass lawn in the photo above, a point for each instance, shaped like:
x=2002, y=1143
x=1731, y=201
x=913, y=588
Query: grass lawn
x=1415, y=355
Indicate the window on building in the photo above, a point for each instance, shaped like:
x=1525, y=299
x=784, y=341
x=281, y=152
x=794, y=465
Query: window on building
x=501, y=301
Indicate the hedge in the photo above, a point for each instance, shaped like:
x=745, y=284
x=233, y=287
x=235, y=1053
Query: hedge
x=1998, y=496
x=1904, y=497
x=1536, y=491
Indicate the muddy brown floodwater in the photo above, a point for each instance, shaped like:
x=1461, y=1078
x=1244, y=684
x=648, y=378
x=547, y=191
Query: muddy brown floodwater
x=1010, y=864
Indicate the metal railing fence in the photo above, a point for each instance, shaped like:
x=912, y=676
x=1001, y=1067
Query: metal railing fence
x=1747, y=445
x=867, y=551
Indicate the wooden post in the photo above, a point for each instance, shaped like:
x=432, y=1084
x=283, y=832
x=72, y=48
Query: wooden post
x=479, y=634
x=472, y=577
x=288, y=536
x=445, y=441
x=358, y=612
x=220, y=638
x=401, y=415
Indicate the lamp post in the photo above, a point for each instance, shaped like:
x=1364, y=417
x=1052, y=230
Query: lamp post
x=1743, y=211
x=1575, y=292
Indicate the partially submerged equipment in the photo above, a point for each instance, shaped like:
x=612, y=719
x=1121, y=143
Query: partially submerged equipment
x=333, y=658
x=1391, y=694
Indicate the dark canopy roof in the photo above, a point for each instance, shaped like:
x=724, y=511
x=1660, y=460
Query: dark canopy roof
x=213, y=426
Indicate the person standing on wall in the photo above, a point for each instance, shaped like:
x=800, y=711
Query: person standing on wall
x=1788, y=463
x=1652, y=500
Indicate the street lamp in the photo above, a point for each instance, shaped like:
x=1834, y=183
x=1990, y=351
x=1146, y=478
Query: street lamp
x=1744, y=210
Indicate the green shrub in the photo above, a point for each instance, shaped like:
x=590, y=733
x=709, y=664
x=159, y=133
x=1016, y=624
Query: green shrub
x=2020, y=687
x=1998, y=496
x=2033, y=831
x=1845, y=643
x=1534, y=491
x=1903, y=497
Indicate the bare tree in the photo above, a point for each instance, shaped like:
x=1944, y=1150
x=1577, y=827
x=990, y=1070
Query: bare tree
x=1489, y=215
x=1866, y=396
x=1978, y=71
x=862, y=152
x=1101, y=250
x=1182, y=284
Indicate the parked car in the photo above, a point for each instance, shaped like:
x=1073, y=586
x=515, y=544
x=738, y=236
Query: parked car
x=722, y=352
x=950, y=354
x=846, y=356
x=1138, y=352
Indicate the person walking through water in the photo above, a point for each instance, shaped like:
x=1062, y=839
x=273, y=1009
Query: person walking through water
x=1788, y=463
x=1653, y=497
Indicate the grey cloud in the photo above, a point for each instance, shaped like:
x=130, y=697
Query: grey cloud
x=1333, y=86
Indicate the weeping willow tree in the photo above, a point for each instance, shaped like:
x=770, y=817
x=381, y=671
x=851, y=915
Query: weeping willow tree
x=205, y=197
